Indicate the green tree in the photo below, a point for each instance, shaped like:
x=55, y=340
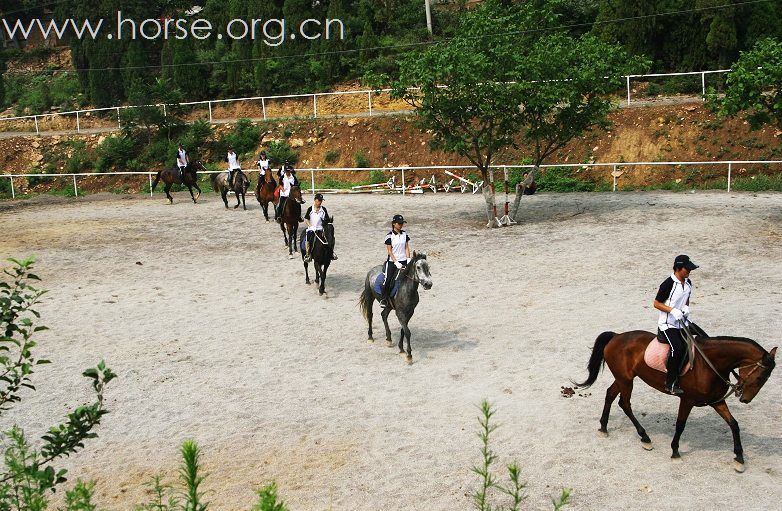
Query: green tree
x=753, y=86
x=28, y=473
x=480, y=91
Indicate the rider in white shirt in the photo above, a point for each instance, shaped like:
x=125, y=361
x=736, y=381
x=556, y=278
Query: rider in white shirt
x=233, y=165
x=398, y=248
x=263, y=166
x=314, y=219
x=285, y=190
x=182, y=161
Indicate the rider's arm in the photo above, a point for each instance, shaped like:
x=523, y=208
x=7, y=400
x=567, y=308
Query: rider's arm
x=661, y=306
x=390, y=253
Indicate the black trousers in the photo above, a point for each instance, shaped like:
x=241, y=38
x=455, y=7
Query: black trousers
x=391, y=271
x=674, y=338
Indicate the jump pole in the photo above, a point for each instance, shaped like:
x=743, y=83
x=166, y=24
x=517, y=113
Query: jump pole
x=494, y=205
x=506, y=219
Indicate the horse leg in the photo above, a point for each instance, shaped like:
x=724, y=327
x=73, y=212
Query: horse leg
x=384, y=314
x=284, y=233
x=322, y=279
x=306, y=273
x=238, y=200
x=611, y=394
x=624, y=404
x=685, y=407
x=224, y=193
x=198, y=195
x=369, y=301
x=722, y=409
x=190, y=189
x=168, y=195
x=265, y=206
x=244, y=204
x=403, y=319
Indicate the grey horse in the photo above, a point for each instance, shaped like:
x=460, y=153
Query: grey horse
x=416, y=272
x=221, y=186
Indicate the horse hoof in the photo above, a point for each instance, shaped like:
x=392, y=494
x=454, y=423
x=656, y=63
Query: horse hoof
x=602, y=433
x=409, y=360
x=647, y=446
x=390, y=344
x=290, y=256
x=370, y=340
x=738, y=467
x=676, y=460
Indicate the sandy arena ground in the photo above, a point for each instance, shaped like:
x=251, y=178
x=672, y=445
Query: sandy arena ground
x=216, y=337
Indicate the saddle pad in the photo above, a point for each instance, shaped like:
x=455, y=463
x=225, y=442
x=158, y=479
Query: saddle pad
x=277, y=193
x=656, y=356
x=378, y=287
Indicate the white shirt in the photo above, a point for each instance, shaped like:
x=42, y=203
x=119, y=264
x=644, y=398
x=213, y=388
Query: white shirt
x=673, y=294
x=398, y=242
x=181, y=158
x=287, y=182
x=233, y=164
x=316, y=219
x=263, y=165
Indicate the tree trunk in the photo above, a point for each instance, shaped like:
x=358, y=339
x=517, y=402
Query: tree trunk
x=520, y=187
x=489, y=197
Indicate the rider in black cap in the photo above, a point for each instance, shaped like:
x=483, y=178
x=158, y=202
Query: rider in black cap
x=398, y=248
x=673, y=302
x=315, y=218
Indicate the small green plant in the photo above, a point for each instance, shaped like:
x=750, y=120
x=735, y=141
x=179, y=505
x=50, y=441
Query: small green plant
x=28, y=475
x=279, y=152
x=331, y=156
x=267, y=500
x=377, y=176
x=488, y=482
x=361, y=159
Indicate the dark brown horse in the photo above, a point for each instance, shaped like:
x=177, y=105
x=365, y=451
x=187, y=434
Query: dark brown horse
x=290, y=219
x=221, y=186
x=264, y=192
x=189, y=179
x=702, y=385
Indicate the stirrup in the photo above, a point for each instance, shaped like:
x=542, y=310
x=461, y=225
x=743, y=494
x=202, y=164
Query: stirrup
x=674, y=389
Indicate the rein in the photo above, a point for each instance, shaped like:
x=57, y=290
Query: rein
x=738, y=387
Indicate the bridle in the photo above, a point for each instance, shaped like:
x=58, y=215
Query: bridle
x=733, y=388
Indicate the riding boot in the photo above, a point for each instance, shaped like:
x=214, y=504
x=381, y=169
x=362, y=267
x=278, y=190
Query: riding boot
x=308, y=256
x=672, y=378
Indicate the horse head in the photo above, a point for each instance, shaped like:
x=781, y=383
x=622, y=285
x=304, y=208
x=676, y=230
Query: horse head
x=328, y=230
x=754, y=376
x=418, y=270
x=295, y=193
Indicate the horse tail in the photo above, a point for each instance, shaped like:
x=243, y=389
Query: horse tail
x=596, y=359
x=213, y=180
x=157, y=178
x=365, y=300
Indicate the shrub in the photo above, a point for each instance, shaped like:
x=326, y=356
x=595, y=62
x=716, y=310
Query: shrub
x=28, y=477
x=114, y=152
x=361, y=159
x=197, y=135
x=244, y=138
x=561, y=179
x=331, y=156
x=5, y=187
x=280, y=151
x=377, y=176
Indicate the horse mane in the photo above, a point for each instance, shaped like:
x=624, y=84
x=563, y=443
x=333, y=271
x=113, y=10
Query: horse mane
x=417, y=256
x=737, y=339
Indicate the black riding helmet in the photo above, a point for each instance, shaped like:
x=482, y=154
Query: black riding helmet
x=318, y=196
x=398, y=219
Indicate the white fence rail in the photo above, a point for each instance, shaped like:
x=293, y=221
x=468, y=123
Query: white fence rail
x=369, y=110
x=611, y=168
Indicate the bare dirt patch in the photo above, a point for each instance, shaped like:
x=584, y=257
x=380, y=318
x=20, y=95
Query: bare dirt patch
x=216, y=337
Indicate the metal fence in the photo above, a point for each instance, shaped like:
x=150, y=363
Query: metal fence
x=614, y=170
x=310, y=110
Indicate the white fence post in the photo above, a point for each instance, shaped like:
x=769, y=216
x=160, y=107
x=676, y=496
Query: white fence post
x=613, y=174
x=314, y=105
x=703, y=85
x=312, y=177
x=13, y=192
x=210, y=111
x=37, y=131
x=263, y=105
x=75, y=190
x=119, y=121
x=370, y=103
x=164, y=110
x=403, y=181
x=78, y=127
x=628, y=89
x=729, y=169
x=150, y=184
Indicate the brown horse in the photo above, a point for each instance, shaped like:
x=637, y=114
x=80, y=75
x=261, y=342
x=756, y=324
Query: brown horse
x=264, y=192
x=221, y=186
x=290, y=217
x=702, y=385
x=189, y=179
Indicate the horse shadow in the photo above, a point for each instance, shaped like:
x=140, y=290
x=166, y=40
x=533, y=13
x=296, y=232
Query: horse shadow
x=428, y=342
x=708, y=432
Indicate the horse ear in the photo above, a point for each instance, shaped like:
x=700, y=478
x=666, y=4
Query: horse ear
x=773, y=352
x=415, y=254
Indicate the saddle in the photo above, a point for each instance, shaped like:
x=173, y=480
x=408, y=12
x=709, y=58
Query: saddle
x=378, y=285
x=656, y=356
